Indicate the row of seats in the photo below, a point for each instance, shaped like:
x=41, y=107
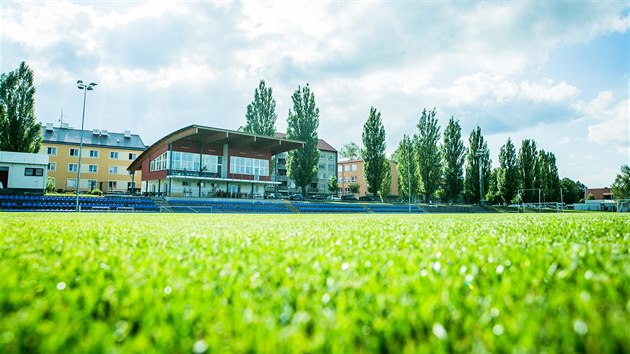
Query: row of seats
x=68, y=203
x=226, y=206
x=328, y=208
x=385, y=208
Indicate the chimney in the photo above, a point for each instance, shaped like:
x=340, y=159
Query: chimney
x=127, y=134
x=103, y=132
x=96, y=132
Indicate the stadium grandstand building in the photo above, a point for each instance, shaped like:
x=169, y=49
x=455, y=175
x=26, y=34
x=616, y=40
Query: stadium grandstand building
x=199, y=161
x=106, y=156
x=326, y=168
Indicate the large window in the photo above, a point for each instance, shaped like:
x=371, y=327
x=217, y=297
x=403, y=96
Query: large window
x=112, y=185
x=113, y=169
x=132, y=156
x=52, y=166
x=74, y=152
x=94, y=153
x=72, y=167
x=71, y=183
x=113, y=155
x=52, y=151
x=93, y=168
x=159, y=163
x=247, y=166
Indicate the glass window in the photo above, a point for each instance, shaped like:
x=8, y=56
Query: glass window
x=113, y=169
x=93, y=168
x=248, y=166
x=52, y=166
x=354, y=167
x=74, y=152
x=94, y=153
x=112, y=185
x=72, y=167
x=113, y=155
x=71, y=183
x=33, y=171
x=132, y=156
x=91, y=183
x=52, y=150
x=339, y=168
x=346, y=168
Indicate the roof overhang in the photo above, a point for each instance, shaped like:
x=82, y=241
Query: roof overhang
x=208, y=135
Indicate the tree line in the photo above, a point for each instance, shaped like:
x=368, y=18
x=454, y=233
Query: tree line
x=427, y=167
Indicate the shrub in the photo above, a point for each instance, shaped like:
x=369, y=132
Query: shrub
x=96, y=192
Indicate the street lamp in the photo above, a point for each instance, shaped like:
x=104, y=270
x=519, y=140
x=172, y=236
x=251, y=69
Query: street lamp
x=85, y=88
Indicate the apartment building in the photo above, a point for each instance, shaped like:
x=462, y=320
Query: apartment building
x=105, y=158
x=326, y=168
x=351, y=171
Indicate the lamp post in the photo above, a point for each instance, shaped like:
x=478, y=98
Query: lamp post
x=85, y=88
x=409, y=173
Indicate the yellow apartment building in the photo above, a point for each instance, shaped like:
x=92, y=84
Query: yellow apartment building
x=351, y=171
x=104, y=160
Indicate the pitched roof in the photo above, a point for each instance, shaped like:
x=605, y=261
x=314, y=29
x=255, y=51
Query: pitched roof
x=321, y=143
x=110, y=139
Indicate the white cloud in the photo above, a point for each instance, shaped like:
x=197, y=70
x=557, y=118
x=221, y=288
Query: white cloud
x=614, y=120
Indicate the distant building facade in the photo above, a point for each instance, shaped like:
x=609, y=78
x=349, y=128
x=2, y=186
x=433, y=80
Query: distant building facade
x=351, y=171
x=22, y=172
x=326, y=168
x=106, y=156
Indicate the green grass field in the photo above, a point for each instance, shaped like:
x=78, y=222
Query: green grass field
x=124, y=283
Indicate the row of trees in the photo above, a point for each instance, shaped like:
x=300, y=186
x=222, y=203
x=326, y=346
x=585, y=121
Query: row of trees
x=450, y=171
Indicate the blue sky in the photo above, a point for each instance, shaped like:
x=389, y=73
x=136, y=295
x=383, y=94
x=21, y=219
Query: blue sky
x=554, y=71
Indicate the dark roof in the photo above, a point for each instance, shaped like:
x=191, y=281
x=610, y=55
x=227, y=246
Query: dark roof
x=73, y=136
x=598, y=193
x=209, y=135
x=321, y=144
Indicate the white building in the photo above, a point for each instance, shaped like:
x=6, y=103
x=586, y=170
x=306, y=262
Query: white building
x=23, y=172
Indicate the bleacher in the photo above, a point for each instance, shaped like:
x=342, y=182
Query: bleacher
x=394, y=208
x=195, y=205
x=11, y=202
x=315, y=207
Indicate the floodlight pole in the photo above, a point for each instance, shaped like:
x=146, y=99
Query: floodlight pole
x=479, y=154
x=409, y=173
x=85, y=89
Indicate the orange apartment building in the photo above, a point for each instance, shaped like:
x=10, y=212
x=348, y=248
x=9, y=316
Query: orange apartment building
x=104, y=160
x=350, y=171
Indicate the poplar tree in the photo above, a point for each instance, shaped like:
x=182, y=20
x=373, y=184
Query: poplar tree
x=19, y=131
x=428, y=153
x=302, y=124
x=507, y=177
x=261, y=113
x=373, y=152
x=453, y=153
x=527, y=157
x=477, y=145
x=406, y=168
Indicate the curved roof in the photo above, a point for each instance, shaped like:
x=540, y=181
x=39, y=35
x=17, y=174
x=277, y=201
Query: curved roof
x=208, y=135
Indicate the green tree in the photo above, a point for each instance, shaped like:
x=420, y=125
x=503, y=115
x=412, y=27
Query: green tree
x=374, y=151
x=19, y=131
x=477, y=152
x=350, y=151
x=507, y=178
x=492, y=193
x=405, y=166
x=386, y=186
x=303, y=121
x=527, y=160
x=572, y=191
x=333, y=185
x=261, y=113
x=547, y=178
x=354, y=187
x=428, y=153
x=453, y=152
x=621, y=185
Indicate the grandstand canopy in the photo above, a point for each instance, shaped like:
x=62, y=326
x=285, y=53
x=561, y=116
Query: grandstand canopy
x=207, y=135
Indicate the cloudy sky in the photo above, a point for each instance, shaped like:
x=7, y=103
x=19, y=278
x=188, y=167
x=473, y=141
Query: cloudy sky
x=553, y=71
